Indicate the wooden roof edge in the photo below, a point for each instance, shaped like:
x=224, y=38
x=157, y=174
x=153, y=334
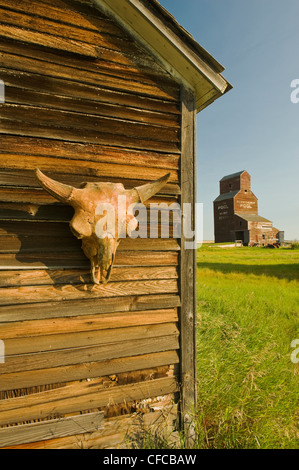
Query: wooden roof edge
x=180, y=54
x=184, y=34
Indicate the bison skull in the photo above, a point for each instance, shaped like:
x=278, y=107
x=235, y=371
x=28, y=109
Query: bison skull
x=86, y=201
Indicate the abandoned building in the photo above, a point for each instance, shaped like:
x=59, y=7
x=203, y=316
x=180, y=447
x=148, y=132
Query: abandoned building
x=236, y=214
x=104, y=93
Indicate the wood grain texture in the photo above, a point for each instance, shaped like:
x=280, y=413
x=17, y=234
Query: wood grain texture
x=68, y=309
x=115, y=430
x=64, y=357
x=14, y=95
x=70, y=166
x=99, y=31
x=54, y=10
x=51, y=429
x=56, y=375
x=118, y=80
x=188, y=263
x=69, y=88
x=24, y=244
x=94, y=136
x=77, y=260
x=84, y=102
x=48, y=41
x=79, y=397
x=23, y=295
x=34, y=197
x=70, y=340
x=87, y=152
x=27, y=179
x=54, y=326
x=55, y=277
x=47, y=117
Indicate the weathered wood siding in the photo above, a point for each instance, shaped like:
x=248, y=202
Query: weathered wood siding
x=83, y=102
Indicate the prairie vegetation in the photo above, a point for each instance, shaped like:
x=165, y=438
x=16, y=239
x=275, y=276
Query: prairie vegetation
x=248, y=305
x=248, y=316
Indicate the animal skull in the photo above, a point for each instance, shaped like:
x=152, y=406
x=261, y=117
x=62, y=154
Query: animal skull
x=85, y=201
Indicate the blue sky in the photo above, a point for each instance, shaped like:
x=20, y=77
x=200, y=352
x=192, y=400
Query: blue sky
x=255, y=127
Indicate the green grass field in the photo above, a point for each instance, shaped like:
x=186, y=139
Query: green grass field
x=248, y=305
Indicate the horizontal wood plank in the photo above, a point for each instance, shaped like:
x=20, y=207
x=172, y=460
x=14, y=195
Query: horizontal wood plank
x=69, y=88
x=26, y=179
x=77, y=260
x=55, y=277
x=37, y=243
x=112, y=45
x=86, y=152
x=82, y=323
x=32, y=23
x=39, y=211
x=115, y=54
x=95, y=136
x=12, y=242
x=73, y=120
x=60, y=11
x=70, y=166
x=50, y=101
x=56, y=375
x=162, y=219
x=82, y=396
x=60, y=230
x=51, y=429
x=17, y=96
x=69, y=309
x=23, y=198
x=70, y=340
x=100, y=32
x=115, y=430
x=79, y=355
x=33, y=211
x=116, y=80
x=34, y=37
x=23, y=295
x=23, y=244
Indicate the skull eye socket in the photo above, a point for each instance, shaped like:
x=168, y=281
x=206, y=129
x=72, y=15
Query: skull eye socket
x=81, y=227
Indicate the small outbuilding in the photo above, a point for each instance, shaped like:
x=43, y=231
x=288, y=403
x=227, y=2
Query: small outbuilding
x=95, y=91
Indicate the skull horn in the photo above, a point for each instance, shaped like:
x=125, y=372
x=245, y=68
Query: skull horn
x=60, y=191
x=146, y=191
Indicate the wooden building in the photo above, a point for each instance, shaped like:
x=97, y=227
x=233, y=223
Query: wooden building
x=104, y=90
x=236, y=214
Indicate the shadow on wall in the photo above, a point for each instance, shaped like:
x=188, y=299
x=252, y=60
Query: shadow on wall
x=32, y=242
